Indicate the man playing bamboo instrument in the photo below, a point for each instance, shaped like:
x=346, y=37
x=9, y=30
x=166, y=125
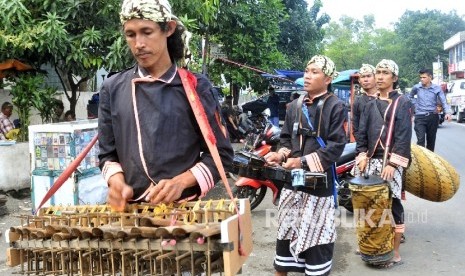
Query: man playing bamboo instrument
x=151, y=146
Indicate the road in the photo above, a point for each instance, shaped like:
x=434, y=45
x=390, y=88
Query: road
x=434, y=231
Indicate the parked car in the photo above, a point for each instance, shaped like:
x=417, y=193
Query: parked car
x=259, y=104
x=456, y=99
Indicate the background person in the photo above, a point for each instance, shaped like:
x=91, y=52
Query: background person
x=426, y=96
x=59, y=109
x=6, y=125
x=293, y=96
x=151, y=146
x=273, y=104
x=70, y=116
x=369, y=92
x=306, y=218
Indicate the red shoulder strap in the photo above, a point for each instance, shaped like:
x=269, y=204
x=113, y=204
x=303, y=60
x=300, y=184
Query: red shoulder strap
x=189, y=81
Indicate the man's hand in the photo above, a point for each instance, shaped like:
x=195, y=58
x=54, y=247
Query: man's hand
x=292, y=163
x=274, y=158
x=448, y=117
x=362, y=165
x=118, y=192
x=169, y=190
x=388, y=172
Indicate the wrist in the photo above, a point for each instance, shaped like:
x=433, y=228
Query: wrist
x=283, y=158
x=303, y=163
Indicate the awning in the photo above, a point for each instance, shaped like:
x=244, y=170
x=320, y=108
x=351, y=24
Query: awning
x=13, y=65
x=345, y=75
x=293, y=75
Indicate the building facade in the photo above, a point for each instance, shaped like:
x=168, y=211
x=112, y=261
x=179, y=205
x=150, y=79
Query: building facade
x=456, y=47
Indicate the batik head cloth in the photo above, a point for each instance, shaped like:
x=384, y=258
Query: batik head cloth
x=157, y=11
x=390, y=65
x=325, y=64
x=367, y=69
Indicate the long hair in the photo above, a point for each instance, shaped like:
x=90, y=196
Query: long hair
x=175, y=41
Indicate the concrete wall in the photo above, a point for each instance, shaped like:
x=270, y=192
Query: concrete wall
x=14, y=167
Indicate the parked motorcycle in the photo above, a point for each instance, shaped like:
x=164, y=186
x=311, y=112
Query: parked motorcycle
x=248, y=159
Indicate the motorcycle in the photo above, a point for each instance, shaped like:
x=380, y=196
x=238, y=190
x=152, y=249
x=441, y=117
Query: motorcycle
x=255, y=186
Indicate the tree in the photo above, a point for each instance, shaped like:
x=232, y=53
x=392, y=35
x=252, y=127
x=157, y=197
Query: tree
x=352, y=42
x=26, y=94
x=74, y=37
x=422, y=36
x=301, y=32
x=246, y=39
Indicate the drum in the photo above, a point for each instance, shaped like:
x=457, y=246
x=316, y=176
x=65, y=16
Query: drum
x=430, y=176
x=372, y=211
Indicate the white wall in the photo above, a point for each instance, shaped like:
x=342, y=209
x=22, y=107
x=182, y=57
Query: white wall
x=14, y=167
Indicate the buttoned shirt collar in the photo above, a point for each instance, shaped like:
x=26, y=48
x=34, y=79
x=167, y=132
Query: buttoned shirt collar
x=167, y=77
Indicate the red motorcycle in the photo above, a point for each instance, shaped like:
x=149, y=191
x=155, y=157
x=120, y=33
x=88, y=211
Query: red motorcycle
x=250, y=161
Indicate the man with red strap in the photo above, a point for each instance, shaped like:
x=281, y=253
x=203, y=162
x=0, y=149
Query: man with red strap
x=151, y=146
x=378, y=132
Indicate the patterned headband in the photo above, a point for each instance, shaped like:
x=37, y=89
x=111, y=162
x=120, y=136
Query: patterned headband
x=367, y=69
x=157, y=11
x=390, y=65
x=325, y=64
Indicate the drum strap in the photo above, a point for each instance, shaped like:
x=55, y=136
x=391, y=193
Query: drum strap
x=389, y=130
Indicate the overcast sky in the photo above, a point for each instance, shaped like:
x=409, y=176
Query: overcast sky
x=386, y=12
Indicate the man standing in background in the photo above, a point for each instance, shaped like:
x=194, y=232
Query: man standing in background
x=426, y=96
x=273, y=104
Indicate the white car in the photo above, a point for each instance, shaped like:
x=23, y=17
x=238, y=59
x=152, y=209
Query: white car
x=456, y=99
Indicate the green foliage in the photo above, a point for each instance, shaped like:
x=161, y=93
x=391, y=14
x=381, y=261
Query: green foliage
x=71, y=36
x=26, y=93
x=415, y=42
x=248, y=33
x=301, y=32
x=352, y=42
x=79, y=37
x=422, y=36
x=45, y=102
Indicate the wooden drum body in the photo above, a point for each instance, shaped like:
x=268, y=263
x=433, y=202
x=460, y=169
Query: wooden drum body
x=372, y=212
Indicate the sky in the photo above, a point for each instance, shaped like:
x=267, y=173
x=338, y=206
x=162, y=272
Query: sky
x=386, y=12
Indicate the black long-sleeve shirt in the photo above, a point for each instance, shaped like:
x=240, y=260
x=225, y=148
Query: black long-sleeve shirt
x=171, y=139
x=333, y=116
x=357, y=109
x=374, y=125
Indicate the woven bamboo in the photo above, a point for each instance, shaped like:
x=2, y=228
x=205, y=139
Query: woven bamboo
x=430, y=176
